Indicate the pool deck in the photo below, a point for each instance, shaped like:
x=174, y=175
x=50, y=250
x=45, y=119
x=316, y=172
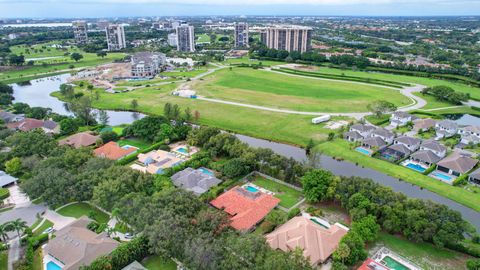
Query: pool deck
x=450, y=182
x=408, y=161
x=385, y=252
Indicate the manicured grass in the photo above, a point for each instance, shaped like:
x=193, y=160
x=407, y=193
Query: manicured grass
x=77, y=210
x=134, y=142
x=118, y=130
x=275, y=90
x=37, y=259
x=341, y=148
x=203, y=38
x=38, y=200
x=157, y=263
x=246, y=60
x=4, y=260
x=383, y=120
x=423, y=254
x=47, y=224
x=433, y=103
x=287, y=195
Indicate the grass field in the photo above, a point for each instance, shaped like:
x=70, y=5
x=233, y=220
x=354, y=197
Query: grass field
x=424, y=255
x=77, y=210
x=287, y=195
x=157, y=263
x=47, y=224
x=134, y=142
x=274, y=90
x=341, y=148
x=203, y=38
x=246, y=60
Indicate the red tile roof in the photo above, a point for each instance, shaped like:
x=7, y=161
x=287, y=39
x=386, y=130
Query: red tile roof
x=370, y=264
x=112, y=151
x=245, y=208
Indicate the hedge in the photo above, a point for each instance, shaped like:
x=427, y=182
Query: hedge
x=4, y=193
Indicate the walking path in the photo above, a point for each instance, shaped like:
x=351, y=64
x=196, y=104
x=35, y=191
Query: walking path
x=13, y=252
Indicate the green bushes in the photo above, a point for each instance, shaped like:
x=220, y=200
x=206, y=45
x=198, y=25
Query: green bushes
x=461, y=180
x=4, y=193
x=130, y=158
x=429, y=170
x=293, y=213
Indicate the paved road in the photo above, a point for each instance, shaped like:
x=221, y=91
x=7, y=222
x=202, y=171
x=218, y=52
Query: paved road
x=13, y=252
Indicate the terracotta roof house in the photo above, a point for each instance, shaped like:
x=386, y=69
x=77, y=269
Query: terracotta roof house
x=363, y=130
x=75, y=246
x=352, y=136
x=446, y=129
x=474, y=177
x=423, y=124
x=374, y=143
x=411, y=143
x=400, y=119
x=370, y=264
x=112, y=151
x=195, y=181
x=456, y=164
x=81, y=139
x=28, y=124
x=383, y=134
x=317, y=241
x=246, y=208
x=437, y=148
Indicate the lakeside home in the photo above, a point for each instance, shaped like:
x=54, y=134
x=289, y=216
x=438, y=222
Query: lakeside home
x=453, y=166
x=469, y=135
x=81, y=139
x=156, y=161
x=445, y=129
x=29, y=124
x=113, y=151
x=423, y=124
x=197, y=181
x=400, y=119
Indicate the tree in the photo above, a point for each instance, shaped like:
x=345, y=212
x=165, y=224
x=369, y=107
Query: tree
x=145, y=128
x=357, y=247
x=14, y=166
x=69, y=126
x=101, y=54
x=76, y=56
x=473, y=264
x=103, y=117
x=341, y=253
x=188, y=114
x=82, y=109
x=380, y=107
x=167, y=110
x=134, y=104
x=18, y=226
x=367, y=228
x=318, y=185
x=108, y=136
x=309, y=147
x=67, y=90
x=196, y=115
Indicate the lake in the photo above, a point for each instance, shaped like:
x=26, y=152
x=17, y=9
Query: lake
x=36, y=93
x=464, y=119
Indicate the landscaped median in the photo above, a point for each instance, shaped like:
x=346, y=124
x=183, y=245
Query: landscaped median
x=341, y=149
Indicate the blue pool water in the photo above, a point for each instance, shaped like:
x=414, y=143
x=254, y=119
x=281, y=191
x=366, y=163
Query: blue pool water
x=363, y=151
x=53, y=266
x=444, y=177
x=416, y=167
x=251, y=189
x=182, y=150
x=205, y=171
x=129, y=146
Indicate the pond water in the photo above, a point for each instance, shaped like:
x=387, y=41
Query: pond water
x=464, y=119
x=37, y=93
x=345, y=168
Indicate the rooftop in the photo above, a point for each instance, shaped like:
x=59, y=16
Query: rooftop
x=112, y=151
x=458, y=162
x=426, y=156
x=194, y=180
x=374, y=141
x=80, y=139
x=408, y=140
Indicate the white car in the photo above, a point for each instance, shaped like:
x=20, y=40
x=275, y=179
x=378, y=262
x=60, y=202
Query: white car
x=129, y=236
x=49, y=230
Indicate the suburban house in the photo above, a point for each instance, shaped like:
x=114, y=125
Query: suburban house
x=423, y=124
x=383, y=134
x=395, y=152
x=446, y=129
x=470, y=135
x=374, y=143
x=81, y=139
x=75, y=246
x=246, y=208
x=315, y=237
x=411, y=143
x=426, y=157
x=435, y=147
x=6, y=179
x=400, y=119
x=134, y=266
x=155, y=162
x=474, y=177
x=363, y=130
x=197, y=181
x=352, y=136
x=9, y=117
x=113, y=151
x=28, y=124
x=456, y=164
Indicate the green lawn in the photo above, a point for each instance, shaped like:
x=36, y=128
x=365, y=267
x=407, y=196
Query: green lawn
x=157, y=263
x=4, y=260
x=122, y=228
x=203, y=38
x=274, y=90
x=341, y=148
x=77, y=210
x=246, y=60
x=37, y=260
x=134, y=142
x=47, y=224
x=423, y=254
x=287, y=195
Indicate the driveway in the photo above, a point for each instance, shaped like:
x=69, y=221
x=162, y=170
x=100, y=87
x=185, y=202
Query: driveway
x=17, y=197
x=59, y=221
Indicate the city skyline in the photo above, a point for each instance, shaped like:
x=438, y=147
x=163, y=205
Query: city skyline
x=122, y=8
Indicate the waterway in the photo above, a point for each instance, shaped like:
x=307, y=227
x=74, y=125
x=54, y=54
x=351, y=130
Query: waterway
x=345, y=168
x=36, y=93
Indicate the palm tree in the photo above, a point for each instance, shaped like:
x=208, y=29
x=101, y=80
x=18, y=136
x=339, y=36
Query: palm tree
x=18, y=226
x=3, y=232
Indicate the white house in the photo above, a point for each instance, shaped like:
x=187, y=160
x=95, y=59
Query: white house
x=470, y=134
x=364, y=130
x=411, y=143
x=383, y=134
x=400, y=119
x=435, y=147
x=446, y=129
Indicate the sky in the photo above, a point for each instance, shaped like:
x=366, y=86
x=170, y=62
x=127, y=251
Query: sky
x=125, y=8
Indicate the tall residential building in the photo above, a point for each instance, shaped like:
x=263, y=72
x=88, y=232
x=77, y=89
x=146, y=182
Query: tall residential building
x=115, y=37
x=288, y=37
x=172, y=39
x=80, y=31
x=241, y=35
x=185, y=38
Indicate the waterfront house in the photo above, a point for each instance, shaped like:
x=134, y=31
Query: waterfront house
x=363, y=130
x=456, y=164
x=352, y=136
x=400, y=119
x=113, y=151
x=156, y=161
x=75, y=246
x=395, y=152
x=474, y=177
x=423, y=124
x=81, y=139
x=246, y=206
x=29, y=124
x=469, y=135
x=446, y=129
x=197, y=181
x=374, y=143
x=315, y=237
x=383, y=134
x=435, y=147
x=411, y=143
x=9, y=117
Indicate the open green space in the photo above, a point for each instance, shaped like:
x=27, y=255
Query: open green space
x=342, y=149
x=157, y=263
x=47, y=224
x=287, y=195
x=424, y=255
x=37, y=259
x=248, y=61
x=265, y=88
x=134, y=142
x=77, y=210
x=203, y=38
x=4, y=260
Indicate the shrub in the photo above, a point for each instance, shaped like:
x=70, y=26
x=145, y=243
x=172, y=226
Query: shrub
x=461, y=180
x=4, y=193
x=294, y=212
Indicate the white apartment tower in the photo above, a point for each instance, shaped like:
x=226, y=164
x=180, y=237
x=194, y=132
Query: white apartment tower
x=288, y=37
x=185, y=38
x=241, y=35
x=80, y=29
x=172, y=39
x=115, y=37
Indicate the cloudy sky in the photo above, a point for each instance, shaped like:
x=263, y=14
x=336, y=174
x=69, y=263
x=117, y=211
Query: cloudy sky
x=120, y=8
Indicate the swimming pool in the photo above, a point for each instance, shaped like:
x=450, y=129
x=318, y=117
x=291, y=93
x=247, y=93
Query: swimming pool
x=53, y=266
x=393, y=264
x=251, y=189
x=416, y=167
x=182, y=150
x=205, y=171
x=442, y=176
x=363, y=151
x=129, y=147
